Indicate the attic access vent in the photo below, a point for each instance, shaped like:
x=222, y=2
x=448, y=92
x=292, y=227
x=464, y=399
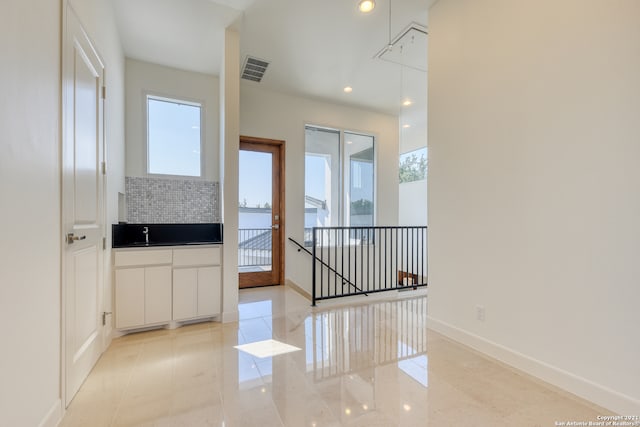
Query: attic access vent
x=254, y=69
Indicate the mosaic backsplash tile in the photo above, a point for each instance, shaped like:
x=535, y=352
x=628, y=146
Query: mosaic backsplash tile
x=171, y=201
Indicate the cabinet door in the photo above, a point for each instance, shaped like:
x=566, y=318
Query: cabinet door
x=208, y=291
x=157, y=294
x=185, y=293
x=129, y=297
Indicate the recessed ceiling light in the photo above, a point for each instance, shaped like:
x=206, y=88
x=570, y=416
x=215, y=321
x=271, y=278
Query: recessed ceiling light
x=406, y=126
x=347, y=411
x=406, y=407
x=366, y=6
x=407, y=102
x=348, y=89
x=349, y=142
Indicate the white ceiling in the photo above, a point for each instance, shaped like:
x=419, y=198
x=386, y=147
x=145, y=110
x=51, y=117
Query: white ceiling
x=315, y=48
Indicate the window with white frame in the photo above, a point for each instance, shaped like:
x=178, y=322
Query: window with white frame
x=174, y=137
x=339, y=178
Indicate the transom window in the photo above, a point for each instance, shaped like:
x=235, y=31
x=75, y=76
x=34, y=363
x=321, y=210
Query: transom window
x=174, y=137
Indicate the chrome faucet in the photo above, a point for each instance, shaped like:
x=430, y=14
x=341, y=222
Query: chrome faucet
x=145, y=231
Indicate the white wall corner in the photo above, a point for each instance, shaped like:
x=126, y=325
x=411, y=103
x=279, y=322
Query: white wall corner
x=581, y=387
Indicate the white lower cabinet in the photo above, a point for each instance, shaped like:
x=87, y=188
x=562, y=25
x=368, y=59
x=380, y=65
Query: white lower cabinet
x=157, y=294
x=143, y=296
x=185, y=293
x=209, y=290
x=129, y=297
x=196, y=292
x=186, y=286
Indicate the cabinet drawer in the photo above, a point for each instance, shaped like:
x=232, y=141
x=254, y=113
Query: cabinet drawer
x=142, y=257
x=196, y=256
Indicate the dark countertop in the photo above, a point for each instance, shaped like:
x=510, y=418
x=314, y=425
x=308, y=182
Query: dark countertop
x=133, y=236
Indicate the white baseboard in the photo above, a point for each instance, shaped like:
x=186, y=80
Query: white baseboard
x=299, y=289
x=581, y=387
x=54, y=416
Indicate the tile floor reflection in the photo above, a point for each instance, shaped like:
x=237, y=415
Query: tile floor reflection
x=373, y=364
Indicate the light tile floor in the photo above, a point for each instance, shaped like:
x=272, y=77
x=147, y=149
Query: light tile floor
x=372, y=364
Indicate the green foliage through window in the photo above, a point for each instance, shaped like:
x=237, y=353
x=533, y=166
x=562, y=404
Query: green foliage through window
x=413, y=166
x=362, y=207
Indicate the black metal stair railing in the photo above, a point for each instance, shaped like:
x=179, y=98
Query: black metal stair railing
x=344, y=280
x=254, y=247
x=363, y=260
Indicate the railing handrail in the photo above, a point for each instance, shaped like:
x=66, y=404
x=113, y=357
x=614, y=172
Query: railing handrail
x=300, y=247
x=370, y=227
x=344, y=279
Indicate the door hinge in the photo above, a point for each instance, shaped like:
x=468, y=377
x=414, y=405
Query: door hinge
x=103, y=167
x=104, y=92
x=104, y=243
x=104, y=317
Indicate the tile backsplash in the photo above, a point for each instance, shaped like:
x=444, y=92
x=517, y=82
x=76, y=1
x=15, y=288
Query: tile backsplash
x=171, y=201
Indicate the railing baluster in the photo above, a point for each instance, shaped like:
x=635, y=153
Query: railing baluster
x=355, y=258
x=361, y=260
x=321, y=266
x=422, y=257
x=385, y=257
x=313, y=268
x=396, y=275
x=378, y=246
x=368, y=257
x=335, y=276
x=342, y=261
x=412, y=258
x=349, y=252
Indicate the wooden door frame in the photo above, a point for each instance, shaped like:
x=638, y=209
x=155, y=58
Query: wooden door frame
x=280, y=144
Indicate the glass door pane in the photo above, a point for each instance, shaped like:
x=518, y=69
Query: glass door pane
x=255, y=242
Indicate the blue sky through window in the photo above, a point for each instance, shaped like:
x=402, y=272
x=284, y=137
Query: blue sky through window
x=315, y=167
x=173, y=137
x=255, y=178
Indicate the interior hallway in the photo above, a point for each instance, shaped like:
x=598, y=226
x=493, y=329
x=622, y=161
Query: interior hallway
x=374, y=364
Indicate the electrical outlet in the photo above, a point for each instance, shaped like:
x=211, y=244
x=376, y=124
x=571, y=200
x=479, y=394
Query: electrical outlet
x=480, y=313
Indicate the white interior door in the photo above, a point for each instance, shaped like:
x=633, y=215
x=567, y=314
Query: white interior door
x=82, y=201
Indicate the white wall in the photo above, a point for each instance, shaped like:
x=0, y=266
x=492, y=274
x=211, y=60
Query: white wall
x=143, y=78
x=534, y=141
x=273, y=115
x=30, y=34
x=229, y=157
x=412, y=203
x=30, y=213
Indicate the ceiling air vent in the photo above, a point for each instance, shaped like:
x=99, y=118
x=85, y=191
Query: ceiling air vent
x=254, y=69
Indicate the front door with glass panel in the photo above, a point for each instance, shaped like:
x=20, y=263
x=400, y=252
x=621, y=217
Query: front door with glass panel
x=260, y=220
